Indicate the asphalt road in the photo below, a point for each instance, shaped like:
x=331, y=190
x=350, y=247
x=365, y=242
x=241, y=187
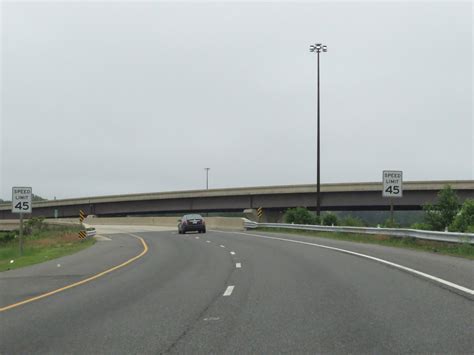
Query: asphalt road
x=286, y=298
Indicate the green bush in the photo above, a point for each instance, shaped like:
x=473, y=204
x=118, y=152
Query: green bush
x=470, y=229
x=316, y=220
x=442, y=214
x=300, y=215
x=330, y=219
x=351, y=221
x=420, y=226
x=390, y=224
x=34, y=225
x=6, y=237
x=465, y=218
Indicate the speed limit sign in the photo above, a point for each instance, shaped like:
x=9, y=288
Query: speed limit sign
x=21, y=199
x=392, y=183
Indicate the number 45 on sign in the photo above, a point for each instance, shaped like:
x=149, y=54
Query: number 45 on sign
x=21, y=199
x=392, y=183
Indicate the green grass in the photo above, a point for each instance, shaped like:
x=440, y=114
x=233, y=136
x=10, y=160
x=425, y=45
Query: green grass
x=51, y=243
x=463, y=250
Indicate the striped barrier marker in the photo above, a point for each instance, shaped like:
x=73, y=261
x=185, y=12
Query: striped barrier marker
x=82, y=234
x=82, y=216
x=260, y=212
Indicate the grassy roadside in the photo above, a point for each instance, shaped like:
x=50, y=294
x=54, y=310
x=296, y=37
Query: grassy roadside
x=50, y=243
x=453, y=249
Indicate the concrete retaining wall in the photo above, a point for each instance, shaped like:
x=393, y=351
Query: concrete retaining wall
x=12, y=224
x=63, y=221
x=230, y=223
x=133, y=221
x=9, y=224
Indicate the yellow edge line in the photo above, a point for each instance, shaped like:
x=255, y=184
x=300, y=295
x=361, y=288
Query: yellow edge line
x=145, y=250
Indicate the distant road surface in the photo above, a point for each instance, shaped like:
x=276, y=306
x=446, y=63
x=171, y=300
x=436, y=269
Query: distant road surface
x=236, y=293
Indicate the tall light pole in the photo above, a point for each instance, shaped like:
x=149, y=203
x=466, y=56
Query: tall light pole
x=207, y=177
x=318, y=48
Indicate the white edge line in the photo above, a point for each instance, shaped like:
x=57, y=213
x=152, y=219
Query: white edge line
x=228, y=291
x=386, y=262
x=101, y=237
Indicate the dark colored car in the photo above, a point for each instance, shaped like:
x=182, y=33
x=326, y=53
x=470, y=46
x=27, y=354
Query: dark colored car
x=191, y=222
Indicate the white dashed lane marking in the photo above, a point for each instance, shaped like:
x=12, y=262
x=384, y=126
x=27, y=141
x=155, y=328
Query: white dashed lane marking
x=102, y=238
x=222, y=246
x=382, y=261
x=238, y=265
x=232, y=252
x=228, y=291
x=209, y=319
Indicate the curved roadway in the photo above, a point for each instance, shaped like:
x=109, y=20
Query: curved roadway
x=286, y=298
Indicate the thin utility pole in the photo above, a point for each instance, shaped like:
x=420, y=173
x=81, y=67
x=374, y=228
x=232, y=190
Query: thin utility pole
x=207, y=177
x=318, y=48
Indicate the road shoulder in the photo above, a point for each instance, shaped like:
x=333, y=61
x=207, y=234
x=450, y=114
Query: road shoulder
x=31, y=281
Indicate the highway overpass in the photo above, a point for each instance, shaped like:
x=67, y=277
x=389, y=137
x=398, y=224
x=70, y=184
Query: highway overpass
x=274, y=200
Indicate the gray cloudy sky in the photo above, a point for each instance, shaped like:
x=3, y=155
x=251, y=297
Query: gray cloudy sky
x=107, y=98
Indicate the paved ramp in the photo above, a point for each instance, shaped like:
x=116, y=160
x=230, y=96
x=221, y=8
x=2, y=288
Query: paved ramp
x=120, y=229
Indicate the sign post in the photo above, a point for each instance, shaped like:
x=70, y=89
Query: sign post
x=391, y=212
x=392, y=187
x=21, y=203
x=21, y=234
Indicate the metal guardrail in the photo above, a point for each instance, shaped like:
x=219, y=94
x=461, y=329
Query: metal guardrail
x=91, y=233
x=395, y=232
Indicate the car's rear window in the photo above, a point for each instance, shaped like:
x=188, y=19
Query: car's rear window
x=193, y=216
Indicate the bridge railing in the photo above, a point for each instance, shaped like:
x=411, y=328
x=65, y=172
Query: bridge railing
x=395, y=232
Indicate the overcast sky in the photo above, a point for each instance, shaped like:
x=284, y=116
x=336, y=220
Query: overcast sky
x=109, y=98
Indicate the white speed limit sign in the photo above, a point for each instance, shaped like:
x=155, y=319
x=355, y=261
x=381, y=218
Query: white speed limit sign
x=392, y=183
x=21, y=199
